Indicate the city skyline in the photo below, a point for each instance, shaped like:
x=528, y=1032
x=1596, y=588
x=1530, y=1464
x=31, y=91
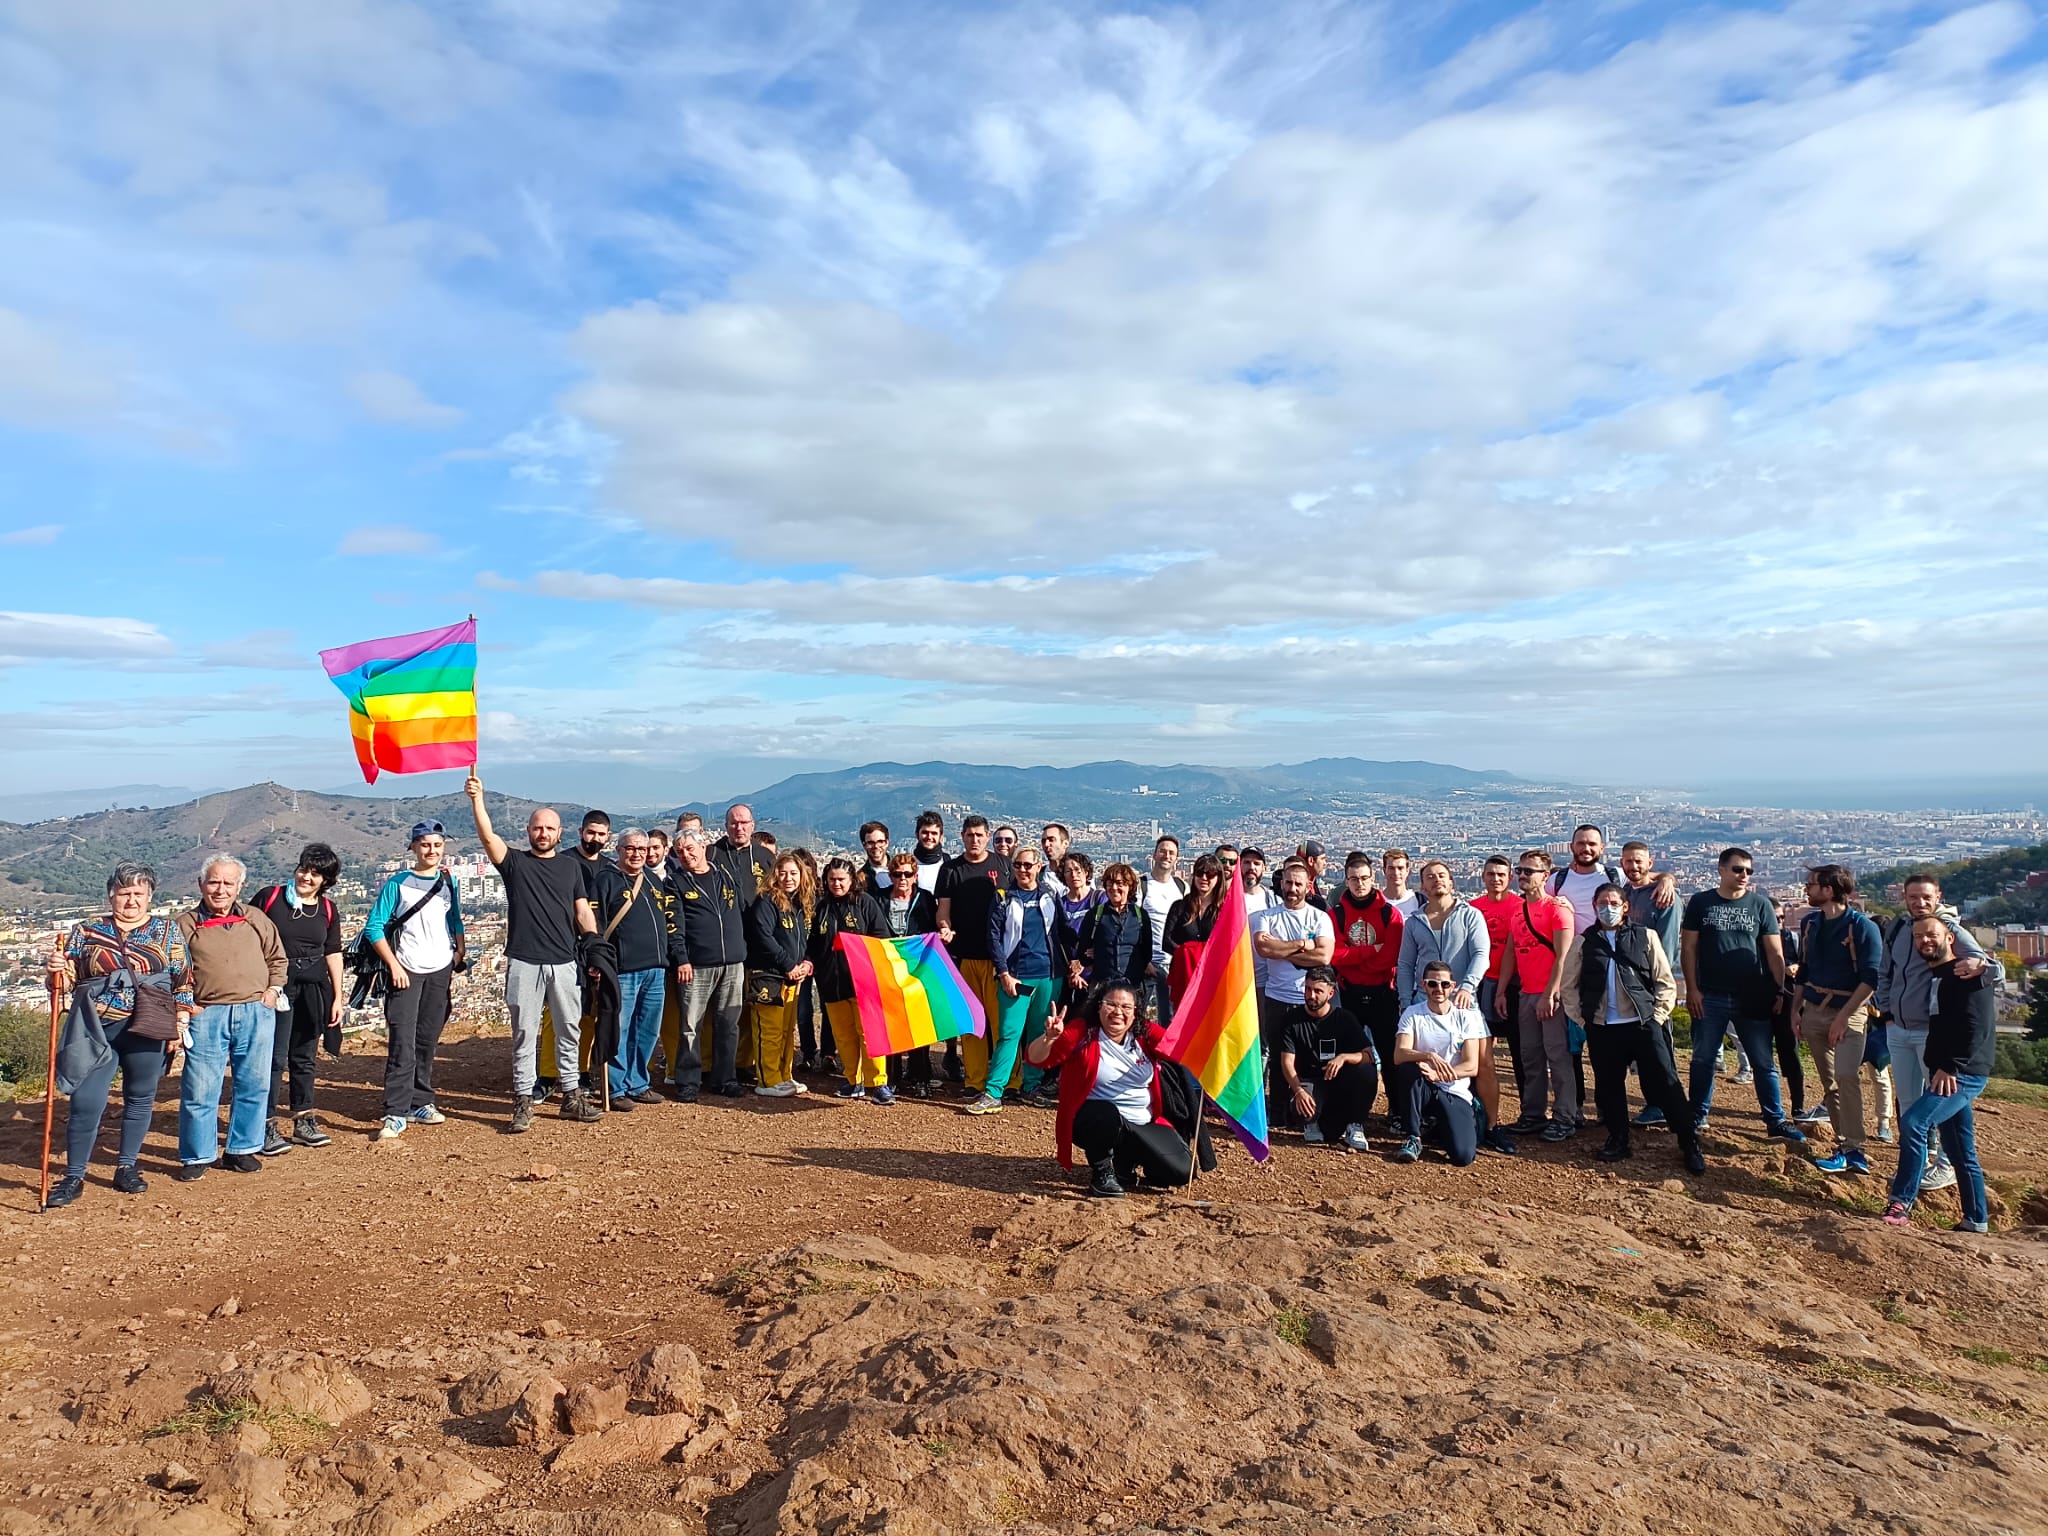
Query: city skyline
x=1642, y=394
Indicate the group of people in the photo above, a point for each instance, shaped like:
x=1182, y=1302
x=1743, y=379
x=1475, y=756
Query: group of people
x=711, y=958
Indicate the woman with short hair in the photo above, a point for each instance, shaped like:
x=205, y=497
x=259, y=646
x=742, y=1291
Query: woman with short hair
x=309, y=927
x=124, y=956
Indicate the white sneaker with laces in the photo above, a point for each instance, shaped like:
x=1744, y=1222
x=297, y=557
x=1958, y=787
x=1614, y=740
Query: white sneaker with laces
x=783, y=1090
x=1939, y=1178
x=392, y=1128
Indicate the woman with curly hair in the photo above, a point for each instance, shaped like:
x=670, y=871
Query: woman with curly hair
x=778, y=938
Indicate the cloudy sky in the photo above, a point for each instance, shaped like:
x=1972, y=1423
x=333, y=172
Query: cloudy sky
x=1597, y=390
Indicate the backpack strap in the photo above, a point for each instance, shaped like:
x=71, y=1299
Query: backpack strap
x=272, y=893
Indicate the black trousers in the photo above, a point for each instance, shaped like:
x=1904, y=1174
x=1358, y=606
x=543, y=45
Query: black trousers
x=1344, y=1099
x=1272, y=1019
x=1103, y=1135
x=1647, y=1047
x=413, y=1020
x=1379, y=1010
x=1785, y=1040
x=1458, y=1118
x=296, y=1045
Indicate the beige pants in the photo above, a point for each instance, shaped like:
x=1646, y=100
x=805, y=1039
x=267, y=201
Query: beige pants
x=1842, y=1090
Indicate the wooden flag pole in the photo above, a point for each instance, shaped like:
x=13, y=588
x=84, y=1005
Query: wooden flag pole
x=50, y=1091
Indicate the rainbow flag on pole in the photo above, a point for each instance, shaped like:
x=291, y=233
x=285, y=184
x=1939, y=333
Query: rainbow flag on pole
x=1215, y=1030
x=411, y=699
x=910, y=993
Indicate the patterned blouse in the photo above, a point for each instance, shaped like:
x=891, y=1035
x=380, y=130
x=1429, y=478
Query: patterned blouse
x=94, y=949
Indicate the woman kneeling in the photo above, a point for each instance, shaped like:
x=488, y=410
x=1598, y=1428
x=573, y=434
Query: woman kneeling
x=1109, y=1095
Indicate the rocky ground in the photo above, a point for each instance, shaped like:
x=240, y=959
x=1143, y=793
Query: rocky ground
x=753, y=1317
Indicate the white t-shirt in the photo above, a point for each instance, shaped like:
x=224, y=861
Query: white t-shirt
x=1157, y=897
x=1282, y=980
x=1408, y=905
x=1443, y=1034
x=1123, y=1076
x=1578, y=889
x=424, y=944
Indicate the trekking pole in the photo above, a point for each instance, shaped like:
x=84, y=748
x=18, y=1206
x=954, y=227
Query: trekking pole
x=50, y=1092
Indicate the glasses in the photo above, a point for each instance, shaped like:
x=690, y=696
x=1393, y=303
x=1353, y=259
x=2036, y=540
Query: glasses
x=1023, y=864
x=1739, y=869
x=1526, y=873
x=877, y=842
x=1440, y=986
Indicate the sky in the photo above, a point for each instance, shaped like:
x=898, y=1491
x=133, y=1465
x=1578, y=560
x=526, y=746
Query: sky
x=1608, y=392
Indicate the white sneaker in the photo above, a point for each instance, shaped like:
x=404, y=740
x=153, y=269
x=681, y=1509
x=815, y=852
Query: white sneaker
x=1354, y=1139
x=1312, y=1134
x=795, y=1087
x=1939, y=1178
x=782, y=1090
x=392, y=1128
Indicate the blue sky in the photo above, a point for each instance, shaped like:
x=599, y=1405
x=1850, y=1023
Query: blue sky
x=1615, y=392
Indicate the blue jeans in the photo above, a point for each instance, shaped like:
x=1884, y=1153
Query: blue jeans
x=640, y=997
x=227, y=1037
x=1949, y=1113
x=1909, y=1077
x=1162, y=994
x=1718, y=1014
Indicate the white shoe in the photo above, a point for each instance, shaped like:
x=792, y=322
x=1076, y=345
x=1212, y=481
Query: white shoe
x=1354, y=1139
x=1939, y=1178
x=392, y=1128
x=1312, y=1134
x=795, y=1087
x=782, y=1090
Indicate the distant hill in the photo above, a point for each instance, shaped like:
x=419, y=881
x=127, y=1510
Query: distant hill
x=264, y=825
x=42, y=805
x=836, y=803
x=1997, y=880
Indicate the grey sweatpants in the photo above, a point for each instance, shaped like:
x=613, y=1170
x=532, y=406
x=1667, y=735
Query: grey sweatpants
x=529, y=987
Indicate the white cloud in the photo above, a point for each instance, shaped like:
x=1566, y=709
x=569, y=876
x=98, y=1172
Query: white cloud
x=36, y=637
x=388, y=539
x=39, y=536
x=393, y=398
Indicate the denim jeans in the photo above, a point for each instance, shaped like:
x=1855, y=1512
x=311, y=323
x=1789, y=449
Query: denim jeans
x=1949, y=1114
x=1718, y=1014
x=1909, y=1077
x=1162, y=994
x=227, y=1037
x=640, y=995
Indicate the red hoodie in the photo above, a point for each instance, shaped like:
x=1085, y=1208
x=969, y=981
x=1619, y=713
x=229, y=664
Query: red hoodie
x=1368, y=939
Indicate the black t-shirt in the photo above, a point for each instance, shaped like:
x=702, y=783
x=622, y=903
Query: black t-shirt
x=1729, y=953
x=1336, y=1033
x=307, y=935
x=540, y=905
x=973, y=889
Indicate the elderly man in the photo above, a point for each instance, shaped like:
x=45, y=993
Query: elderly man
x=545, y=907
x=238, y=967
x=711, y=948
x=636, y=918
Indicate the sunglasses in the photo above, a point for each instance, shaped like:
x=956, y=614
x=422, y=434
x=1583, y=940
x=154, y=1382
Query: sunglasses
x=1526, y=873
x=1739, y=869
x=1441, y=986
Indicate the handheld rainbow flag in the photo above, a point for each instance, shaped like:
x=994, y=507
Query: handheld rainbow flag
x=909, y=992
x=411, y=699
x=1215, y=1031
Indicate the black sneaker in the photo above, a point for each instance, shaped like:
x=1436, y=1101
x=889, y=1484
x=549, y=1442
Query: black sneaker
x=64, y=1191
x=1104, y=1185
x=576, y=1106
x=522, y=1114
x=544, y=1088
x=1498, y=1140
x=274, y=1142
x=128, y=1180
x=1695, y=1160
x=191, y=1173
x=1616, y=1150
x=242, y=1162
x=732, y=1090
x=307, y=1133
x=686, y=1095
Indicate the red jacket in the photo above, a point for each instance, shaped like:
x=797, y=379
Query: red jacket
x=1368, y=939
x=1077, y=1054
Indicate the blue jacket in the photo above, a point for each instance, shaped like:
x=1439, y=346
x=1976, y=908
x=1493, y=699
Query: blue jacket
x=1463, y=946
x=1006, y=928
x=1845, y=959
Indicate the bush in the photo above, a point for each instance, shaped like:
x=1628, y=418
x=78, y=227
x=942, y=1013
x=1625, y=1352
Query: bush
x=2024, y=1060
x=24, y=1049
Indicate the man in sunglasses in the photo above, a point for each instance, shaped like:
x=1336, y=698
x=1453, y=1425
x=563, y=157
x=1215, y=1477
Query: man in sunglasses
x=1734, y=971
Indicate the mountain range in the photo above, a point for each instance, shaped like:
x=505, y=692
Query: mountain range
x=265, y=825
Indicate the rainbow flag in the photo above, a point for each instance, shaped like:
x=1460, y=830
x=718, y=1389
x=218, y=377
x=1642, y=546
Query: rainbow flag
x=411, y=699
x=909, y=992
x=1215, y=1030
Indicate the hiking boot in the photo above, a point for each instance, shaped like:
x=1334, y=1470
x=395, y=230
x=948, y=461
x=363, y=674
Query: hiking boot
x=390, y=1129
x=70, y=1187
x=307, y=1133
x=522, y=1113
x=128, y=1180
x=274, y=1142
x=1615, y=1151
x=1103, y=1183
x=576, y=1106
x=618, y=1104
x=242, y=1162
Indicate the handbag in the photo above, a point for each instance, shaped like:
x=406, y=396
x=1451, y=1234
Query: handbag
x=155, y=1016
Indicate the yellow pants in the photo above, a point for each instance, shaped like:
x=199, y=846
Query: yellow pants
x=980, y=976
x=547, y=1043
x=773, y=1028
x=861, y=1069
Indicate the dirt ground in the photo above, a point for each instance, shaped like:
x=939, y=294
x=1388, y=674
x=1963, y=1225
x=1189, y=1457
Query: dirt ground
x=910, y=1322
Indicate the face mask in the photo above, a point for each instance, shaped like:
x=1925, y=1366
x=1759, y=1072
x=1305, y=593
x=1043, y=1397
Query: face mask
x=1610, y=915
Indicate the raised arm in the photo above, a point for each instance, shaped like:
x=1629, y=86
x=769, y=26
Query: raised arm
x=493, y=845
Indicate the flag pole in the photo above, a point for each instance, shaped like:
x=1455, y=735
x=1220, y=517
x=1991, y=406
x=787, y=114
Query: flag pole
x=50, y=1093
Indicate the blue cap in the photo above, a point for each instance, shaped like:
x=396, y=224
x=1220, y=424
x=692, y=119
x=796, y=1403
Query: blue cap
x=422, y=829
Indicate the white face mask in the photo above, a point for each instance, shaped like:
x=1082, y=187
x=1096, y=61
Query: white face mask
x=1608, y=914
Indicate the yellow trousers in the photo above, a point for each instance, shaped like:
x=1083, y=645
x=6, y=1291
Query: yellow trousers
x=980, y=976
x=547, y=1043
x=773, y=1028
x=861, y=1069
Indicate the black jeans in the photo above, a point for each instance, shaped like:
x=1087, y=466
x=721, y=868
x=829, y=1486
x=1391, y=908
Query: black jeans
x=1785, y=1040
x=297, y=1043
x=1458, y=1118
x=1379, y=1010
x=1647, y=1047
x=1103, y=1135
x=1344, y=1099
x=413, y=1019
x=142, y=1068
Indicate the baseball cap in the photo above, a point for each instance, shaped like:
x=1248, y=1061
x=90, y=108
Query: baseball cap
x=1312, y=849
x=422, y=829
x=1255, y=853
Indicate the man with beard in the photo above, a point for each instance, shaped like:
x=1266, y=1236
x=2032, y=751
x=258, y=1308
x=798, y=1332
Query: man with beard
x=930, y=851
x=1368, y=950
x=593, y=836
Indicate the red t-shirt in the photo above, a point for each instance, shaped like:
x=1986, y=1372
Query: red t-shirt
x=1498, y=912
x=1535, y=929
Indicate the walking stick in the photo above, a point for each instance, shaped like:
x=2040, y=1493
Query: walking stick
x=50, y=1092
